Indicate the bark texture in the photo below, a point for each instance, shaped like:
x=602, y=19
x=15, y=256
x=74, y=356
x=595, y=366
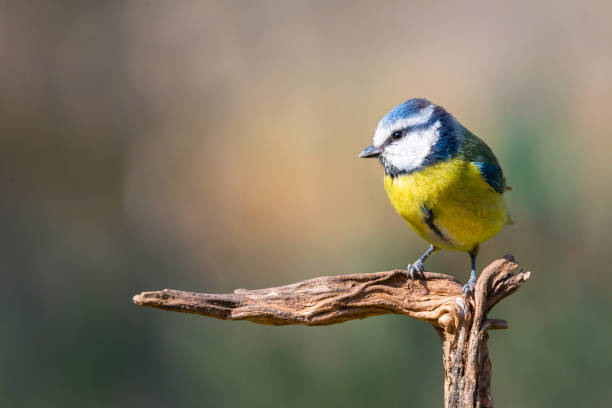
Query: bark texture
x=461, y=323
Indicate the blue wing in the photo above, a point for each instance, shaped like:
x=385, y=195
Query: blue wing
x=492, y=174
x=477, y=151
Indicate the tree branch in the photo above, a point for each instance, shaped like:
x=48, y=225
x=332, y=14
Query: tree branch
x=438, y=299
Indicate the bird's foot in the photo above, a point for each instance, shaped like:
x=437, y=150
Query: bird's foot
x=416, y=269
x=469, y=287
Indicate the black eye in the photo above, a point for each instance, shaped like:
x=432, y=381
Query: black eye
x=396, y=135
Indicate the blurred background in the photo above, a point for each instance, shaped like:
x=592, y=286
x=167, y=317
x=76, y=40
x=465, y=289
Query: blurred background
x=210, y=145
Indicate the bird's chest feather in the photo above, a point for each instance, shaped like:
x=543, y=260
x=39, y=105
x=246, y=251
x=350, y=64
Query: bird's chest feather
x=448, y=204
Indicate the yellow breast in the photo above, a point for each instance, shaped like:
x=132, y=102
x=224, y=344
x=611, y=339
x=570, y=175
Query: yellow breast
x=448, y=204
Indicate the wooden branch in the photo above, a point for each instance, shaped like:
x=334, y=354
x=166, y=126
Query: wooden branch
x=438, y=299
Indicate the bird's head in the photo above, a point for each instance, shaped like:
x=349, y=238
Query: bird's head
x=413, y=135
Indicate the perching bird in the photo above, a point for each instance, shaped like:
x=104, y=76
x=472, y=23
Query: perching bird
x=441, y=178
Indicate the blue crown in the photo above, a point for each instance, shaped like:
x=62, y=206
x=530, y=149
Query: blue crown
x=406, y=110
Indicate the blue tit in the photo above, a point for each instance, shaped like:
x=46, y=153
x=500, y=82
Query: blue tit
x=441, y=178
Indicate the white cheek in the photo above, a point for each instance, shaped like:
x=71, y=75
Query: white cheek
x=409, y=152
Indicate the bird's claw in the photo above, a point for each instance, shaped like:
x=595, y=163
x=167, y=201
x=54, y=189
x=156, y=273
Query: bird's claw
x=469, y=287
x=416, y=270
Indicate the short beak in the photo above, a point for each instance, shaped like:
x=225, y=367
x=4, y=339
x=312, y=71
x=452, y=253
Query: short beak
x=370, y=151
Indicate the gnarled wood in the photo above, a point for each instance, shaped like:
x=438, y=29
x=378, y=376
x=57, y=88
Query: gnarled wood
x=461, y=323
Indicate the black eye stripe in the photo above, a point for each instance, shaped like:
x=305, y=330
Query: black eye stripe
x=398, y=134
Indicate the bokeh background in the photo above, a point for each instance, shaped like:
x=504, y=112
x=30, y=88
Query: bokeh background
x=209, y=145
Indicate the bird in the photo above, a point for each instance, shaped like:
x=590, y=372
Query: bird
x=442, y=179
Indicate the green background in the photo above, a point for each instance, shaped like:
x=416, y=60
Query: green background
x=207, y=146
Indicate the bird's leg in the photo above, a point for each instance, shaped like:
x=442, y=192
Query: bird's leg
x=416, y=269
x=468, y=289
